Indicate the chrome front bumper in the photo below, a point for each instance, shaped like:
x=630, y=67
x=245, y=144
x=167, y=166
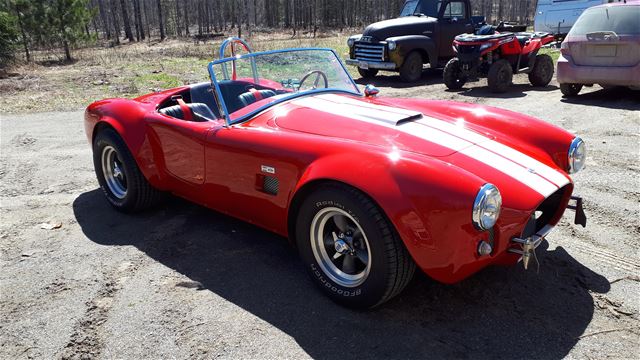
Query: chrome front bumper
x=363, y=64
x=529, y=245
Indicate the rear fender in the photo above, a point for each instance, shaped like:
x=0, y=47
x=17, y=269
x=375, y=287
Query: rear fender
x=406, y=44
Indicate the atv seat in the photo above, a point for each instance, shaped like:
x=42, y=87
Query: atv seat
x=523, y=37
x=200, y=111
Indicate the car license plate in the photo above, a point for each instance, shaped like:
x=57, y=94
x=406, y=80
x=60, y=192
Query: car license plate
x=363, y=65
x=603, y=50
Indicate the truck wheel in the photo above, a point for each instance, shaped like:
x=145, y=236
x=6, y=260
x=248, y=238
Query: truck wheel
x=452, y=75
x=411, y=69
x=367, y=73
x=542, y=71
x=120, y=179
x=350, y=248
x=500, y=76
x=570, y=90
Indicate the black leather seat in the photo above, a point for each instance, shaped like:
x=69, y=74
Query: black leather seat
x=249, y=98
x=200, y=111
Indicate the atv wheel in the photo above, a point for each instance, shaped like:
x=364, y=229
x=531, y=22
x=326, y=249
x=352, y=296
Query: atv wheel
x=411, y=69
x=452, y=75
x=119, y=177
x=500, y=76
x=542, y=71
x=570, y=90
x=350, y=248
x=367, y=73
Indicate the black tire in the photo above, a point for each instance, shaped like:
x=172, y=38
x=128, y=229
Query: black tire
x=570, y=90
x=411, y=69
x=138, y=193
x=367, y=73
x=452, y=75
x=500, y=76
x=391, y=266
x=542, y=71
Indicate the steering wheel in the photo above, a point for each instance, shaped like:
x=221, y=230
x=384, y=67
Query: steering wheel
x=319, y=75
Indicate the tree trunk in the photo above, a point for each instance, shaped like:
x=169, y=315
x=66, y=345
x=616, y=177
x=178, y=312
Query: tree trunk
x=25, y=42
x=125, y=20
x=186, y=17
x=105, y=20
x=160, y=20
x=116, y=25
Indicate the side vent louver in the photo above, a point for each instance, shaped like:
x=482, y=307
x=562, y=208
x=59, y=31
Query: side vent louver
x=270, y=185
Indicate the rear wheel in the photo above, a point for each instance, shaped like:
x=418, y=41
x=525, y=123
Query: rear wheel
x=500, y=76
x=452, y=75
x=350, y=248
x=542, y=71
x=367, y=73
x=119, y=177
x=411, y=69
x=570, y=90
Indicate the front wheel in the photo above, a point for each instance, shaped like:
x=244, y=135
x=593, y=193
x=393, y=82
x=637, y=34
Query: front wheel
x=570, y=90
x=500, y=76
x=350, y=248
x=411, y=69
x=120, y=179
x=367, y=73
x=452, y=75
x=542, y=71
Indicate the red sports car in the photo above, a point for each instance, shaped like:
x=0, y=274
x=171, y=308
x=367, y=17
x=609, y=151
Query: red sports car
x=367, y=188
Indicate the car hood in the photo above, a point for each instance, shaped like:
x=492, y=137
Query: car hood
x=408, y=25
x=468, y=145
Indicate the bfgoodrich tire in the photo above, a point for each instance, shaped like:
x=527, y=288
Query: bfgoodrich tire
x=120, y=179
x=411, y=69
x=452, y=75
x=500, y=76
x=350, y=248
x=367, y=73
x=542, y=71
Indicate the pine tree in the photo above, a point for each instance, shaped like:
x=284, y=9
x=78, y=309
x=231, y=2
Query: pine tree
x=66, y=22
x=8, y=35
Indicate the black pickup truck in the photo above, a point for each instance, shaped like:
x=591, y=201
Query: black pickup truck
x=423, y=34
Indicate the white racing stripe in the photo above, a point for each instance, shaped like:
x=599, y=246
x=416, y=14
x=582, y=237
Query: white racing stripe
x=525, y=169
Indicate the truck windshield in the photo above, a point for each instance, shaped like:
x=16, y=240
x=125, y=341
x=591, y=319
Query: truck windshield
x=424, y=7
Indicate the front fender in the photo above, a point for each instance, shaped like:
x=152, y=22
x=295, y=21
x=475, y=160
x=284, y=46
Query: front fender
x=409, y=43
x=427, y=200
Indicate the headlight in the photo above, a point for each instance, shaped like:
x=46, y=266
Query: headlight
x=484, y=47
x=352, y=40
x=391, y=44
x=486, y=207
x=577, y=155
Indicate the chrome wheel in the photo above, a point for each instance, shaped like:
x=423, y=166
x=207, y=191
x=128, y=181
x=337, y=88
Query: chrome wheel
x=340, y=247
x=113, y=172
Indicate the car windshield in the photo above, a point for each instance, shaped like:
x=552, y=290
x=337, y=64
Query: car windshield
x=424, y=7
x=247, y=84
x=623, y=20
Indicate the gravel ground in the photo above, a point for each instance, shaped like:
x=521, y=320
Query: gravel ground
x=186, y=282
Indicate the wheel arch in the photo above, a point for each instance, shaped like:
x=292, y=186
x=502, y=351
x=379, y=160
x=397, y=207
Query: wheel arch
x=425, y=46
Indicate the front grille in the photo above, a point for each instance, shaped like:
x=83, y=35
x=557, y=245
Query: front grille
x=369, y=52
x=545, y=214
x=468, y=49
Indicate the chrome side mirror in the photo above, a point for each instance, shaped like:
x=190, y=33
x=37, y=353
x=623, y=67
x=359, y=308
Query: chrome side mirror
x=371, y=91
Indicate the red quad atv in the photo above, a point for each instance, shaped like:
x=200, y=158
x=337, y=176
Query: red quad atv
x=497, y=56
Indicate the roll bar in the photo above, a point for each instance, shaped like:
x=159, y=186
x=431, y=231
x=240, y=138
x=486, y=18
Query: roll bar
x=233, y=41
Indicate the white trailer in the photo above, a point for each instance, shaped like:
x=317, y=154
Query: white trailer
x=558, y=16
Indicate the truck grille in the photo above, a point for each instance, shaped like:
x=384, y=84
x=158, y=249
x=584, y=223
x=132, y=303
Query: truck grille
x=369, y=52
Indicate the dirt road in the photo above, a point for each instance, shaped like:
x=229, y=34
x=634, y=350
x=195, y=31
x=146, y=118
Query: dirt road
x=186, y=282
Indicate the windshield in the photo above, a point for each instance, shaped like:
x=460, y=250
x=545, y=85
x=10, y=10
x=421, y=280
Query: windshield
x=249, y=83
x=424, y=7
x=623, y=20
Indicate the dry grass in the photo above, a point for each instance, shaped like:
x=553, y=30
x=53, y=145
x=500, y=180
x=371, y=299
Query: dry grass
x=128, y=70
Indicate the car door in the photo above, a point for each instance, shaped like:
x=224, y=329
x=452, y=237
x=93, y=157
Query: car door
x=454, y=19
x=181, y=147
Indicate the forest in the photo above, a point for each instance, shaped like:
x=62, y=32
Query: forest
x=28, y=25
